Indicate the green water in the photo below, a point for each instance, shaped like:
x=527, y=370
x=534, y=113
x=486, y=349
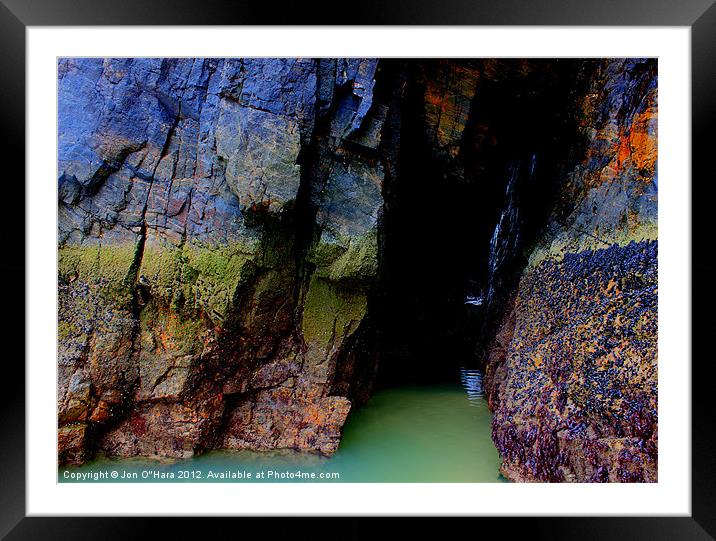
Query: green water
x=409, y=434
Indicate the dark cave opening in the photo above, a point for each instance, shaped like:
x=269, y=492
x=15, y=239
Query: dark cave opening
x=445, y=271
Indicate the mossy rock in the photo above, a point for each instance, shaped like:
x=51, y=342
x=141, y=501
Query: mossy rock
x=68, y=329
x=357, y=264
x=161, y=269
x=324, y=254
x=196, y=278
x=329, y=311
x=106, y=267
x=569, y=241
x=213, y=276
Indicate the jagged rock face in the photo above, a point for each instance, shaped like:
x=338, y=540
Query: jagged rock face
x=610, y=195
x=572, y=370
x=212, y=260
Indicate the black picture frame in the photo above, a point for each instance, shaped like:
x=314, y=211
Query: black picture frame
x=16, y=15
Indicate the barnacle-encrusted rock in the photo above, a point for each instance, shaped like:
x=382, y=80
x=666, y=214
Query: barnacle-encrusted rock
x=573, y=383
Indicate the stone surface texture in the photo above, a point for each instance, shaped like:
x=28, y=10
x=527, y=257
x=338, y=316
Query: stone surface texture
x=216, y=239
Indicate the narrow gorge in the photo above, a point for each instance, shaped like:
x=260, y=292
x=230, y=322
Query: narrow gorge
x=249, y=250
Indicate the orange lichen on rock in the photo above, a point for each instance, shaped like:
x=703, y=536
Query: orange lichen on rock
x=637, y=146
x=643, y=142
x=447, y=103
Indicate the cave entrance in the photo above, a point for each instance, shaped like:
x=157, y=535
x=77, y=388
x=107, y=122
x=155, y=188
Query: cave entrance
x=444, y=269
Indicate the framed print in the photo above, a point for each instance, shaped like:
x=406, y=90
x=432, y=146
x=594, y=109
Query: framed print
x=362, y=268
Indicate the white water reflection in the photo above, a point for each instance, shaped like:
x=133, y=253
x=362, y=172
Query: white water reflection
x=476, y=300
x=471, y=381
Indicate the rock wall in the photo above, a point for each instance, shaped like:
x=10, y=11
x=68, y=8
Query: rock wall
x=216, y=240
x=572, y=368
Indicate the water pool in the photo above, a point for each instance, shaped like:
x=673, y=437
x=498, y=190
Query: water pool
x=406, y=434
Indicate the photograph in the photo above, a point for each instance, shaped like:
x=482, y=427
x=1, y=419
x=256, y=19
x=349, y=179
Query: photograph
x=284, y=262
x=357, y=270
